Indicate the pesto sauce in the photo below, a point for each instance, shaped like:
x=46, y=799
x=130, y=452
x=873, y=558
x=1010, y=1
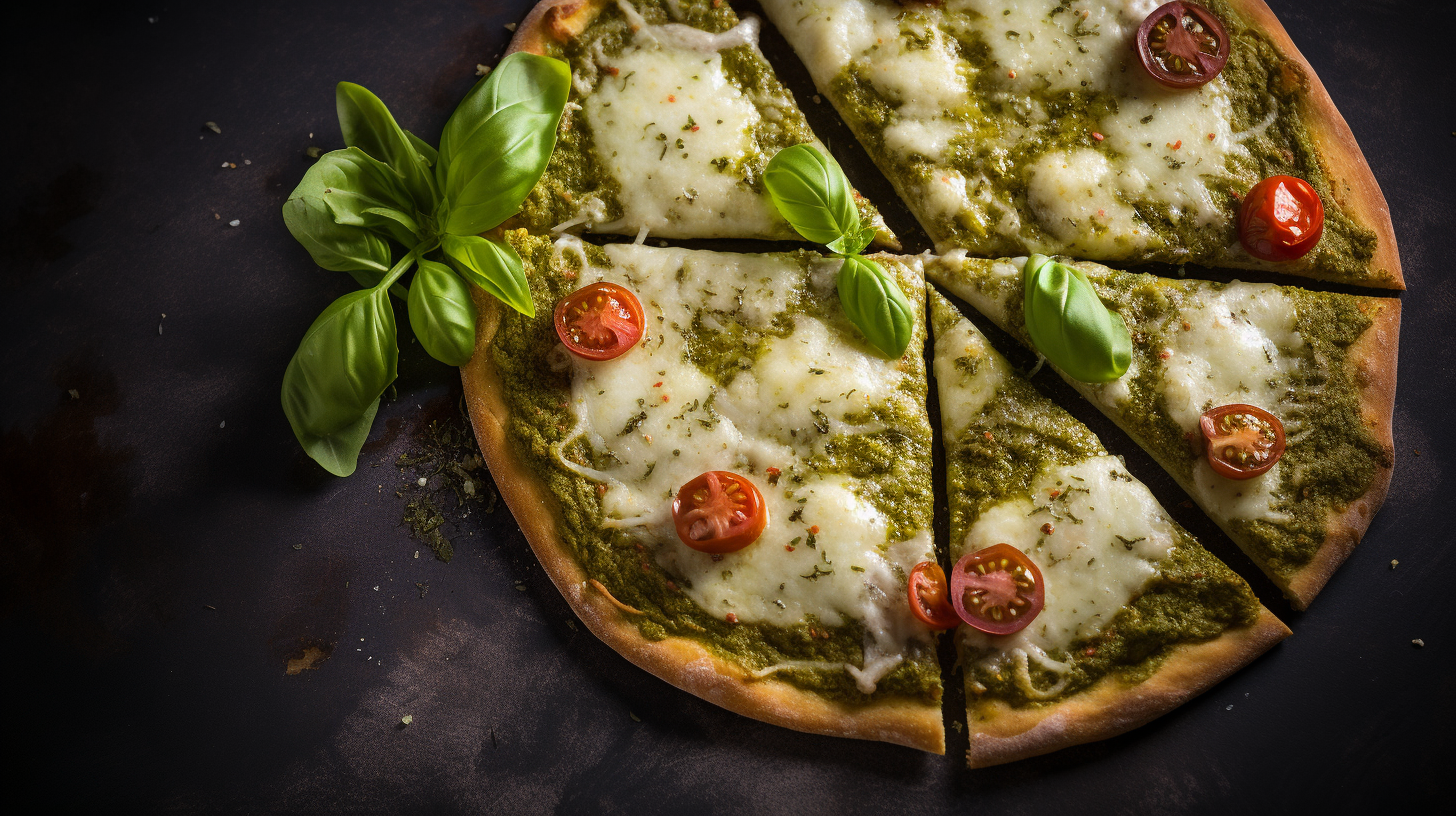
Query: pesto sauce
x=538, y=398
x=1255, y=72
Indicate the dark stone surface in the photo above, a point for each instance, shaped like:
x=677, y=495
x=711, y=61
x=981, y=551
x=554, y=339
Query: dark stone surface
x=159, y=569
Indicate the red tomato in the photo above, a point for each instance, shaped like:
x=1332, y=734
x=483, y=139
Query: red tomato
x=1182, y=45
x=997, y=590
x=719, y=512
x=1281, y=219
x=928, y=597
x=599, y=321
x=1241, y=441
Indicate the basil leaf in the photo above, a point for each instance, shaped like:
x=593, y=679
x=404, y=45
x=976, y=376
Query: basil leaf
x=497, y=143
x=334, y=246
x=345, y=361
x=811, y=192
x=1069, y=324
x=363, y=192
x=442, y=313
x=493, y=266
x=368, y=125
x=339, y=451
x=874, y=303
x=422, y=147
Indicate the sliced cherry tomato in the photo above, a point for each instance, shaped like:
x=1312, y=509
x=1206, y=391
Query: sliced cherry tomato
x=928, y=597
x=997, y=590
x=599, y=321
x=719, y=512
x=1242, y=441
x=1182, y=45
x=1281, y=219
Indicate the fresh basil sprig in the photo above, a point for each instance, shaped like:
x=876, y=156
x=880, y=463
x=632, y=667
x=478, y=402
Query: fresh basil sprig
x=357, y=207
x=1069, y=324
x=812, y=193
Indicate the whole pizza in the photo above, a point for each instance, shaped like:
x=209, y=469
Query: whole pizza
x=728, y=462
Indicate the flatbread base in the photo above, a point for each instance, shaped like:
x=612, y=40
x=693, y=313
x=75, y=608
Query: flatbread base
x=1000, y=733
x=683, y=662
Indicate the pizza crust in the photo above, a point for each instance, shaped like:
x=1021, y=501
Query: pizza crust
x=1351, y=181
x=1373, y=360
x=1000, y=733
x=683, y=662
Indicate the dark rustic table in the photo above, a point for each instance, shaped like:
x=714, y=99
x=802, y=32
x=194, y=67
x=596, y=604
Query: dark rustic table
x=195, y=617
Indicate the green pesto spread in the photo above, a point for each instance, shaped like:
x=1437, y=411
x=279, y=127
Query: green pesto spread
x=1004, y=135
x=889, y=465
x=1192, y=598
x=576, y=173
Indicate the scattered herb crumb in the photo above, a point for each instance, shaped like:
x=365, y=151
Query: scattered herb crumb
x=406, y=719
x=1394, y=563
x=1418, y=643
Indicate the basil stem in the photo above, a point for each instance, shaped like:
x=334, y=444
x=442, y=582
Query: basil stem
x=873, y=302
x=1069, y=324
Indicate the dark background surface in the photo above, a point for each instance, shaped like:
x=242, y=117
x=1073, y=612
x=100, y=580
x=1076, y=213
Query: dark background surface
x=166, y=548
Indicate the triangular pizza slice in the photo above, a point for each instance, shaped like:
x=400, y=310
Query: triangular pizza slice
x=1016, y=126
x=663, y=402
x=1088, y=611
x=674, y=114
x=1320, y=365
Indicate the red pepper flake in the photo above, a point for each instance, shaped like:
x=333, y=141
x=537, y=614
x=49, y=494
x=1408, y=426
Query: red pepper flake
x=648, y=437
x=613, y=71
x=1098, y=136
x=789, y=547
x=717, y=3
x=645, y=568
x=1197, y=575
x=671, y=98
x=1089, y=651
x=1101, y=213
x=730, y=617
x=695, y=128
x=1164, y=354
x=569, y=274
x=639, y=547
x=601, y=490
x=665, y=398
x=1047, y=529
x=1210, y=137
x=1187, y=326
x=1011, y=74
x=657, y=384
x=814, y=530
x=988, y=435
x=1054, y=493
x=1177, y=144
x=672, y=586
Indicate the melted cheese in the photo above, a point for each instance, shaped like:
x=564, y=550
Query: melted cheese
x=665, y=422
x=1158, y=147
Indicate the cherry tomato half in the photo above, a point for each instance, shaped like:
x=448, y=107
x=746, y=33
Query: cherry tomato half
x=599, y=321
x=1281, y=219
x=1182, y=45
x=928, y=597
x=1241, y=441
x=997, y=590
x=719, y=512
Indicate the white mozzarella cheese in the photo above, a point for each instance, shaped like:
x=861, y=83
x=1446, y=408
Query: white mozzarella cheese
x=1077, y=197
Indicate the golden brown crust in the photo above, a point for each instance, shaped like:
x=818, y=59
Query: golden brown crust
x=1000, y=733
x=1351, y=181
x=559, y=20
x=683, y=662
x=1372, y=360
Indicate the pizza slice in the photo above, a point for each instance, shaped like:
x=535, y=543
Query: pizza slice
x=674, y=113
x=725, y=481
x=1034, y=126
x=1318, y=365
x=1088, y=611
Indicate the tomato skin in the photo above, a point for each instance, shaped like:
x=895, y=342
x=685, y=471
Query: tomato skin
x=719, y=512
x=1002, y=578
x=1281, y=219
x=929, y=597
x=1175, y=56
x=599, y=321
x=1241, y=441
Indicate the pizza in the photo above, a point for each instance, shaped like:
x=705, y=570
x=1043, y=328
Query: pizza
x=1135, y=617
x=725, y=466
x=1019, y=126
x=741, y=365
x=673, y=115
x=1322, y=364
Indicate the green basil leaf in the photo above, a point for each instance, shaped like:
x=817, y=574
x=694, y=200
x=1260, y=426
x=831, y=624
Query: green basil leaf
x=335, y=246
x=363, y=192
x=874, y=303
x=813, y=195
x=442, y=313
x=493, y=266
x=1069, y=324
x=345, y=361
x=339, y=451
x=497, y=143
x=368, y=125
x=422, y=147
